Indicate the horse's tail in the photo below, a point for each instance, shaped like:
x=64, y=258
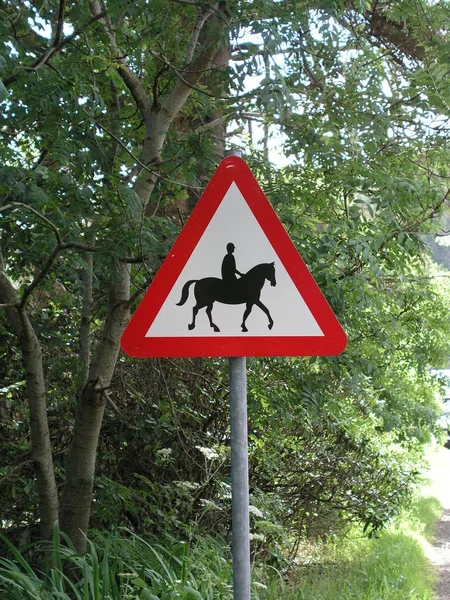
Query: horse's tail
x=185, y=292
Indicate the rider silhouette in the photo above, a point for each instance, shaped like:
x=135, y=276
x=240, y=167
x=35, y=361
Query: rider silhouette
x=229, y=270
x=230, y=290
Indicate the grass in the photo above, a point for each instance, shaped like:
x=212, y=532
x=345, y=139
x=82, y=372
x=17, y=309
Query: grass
x=115, y=568
x=395, y=566
x=392, y=567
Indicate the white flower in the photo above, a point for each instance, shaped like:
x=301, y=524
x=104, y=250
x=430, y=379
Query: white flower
x=256, y=537
x=187, y=485
x=209, y=504
x=255, y=511
x=208, y=453
x=164, y=452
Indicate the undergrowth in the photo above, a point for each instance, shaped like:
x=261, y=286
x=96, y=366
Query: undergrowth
x=392, y=566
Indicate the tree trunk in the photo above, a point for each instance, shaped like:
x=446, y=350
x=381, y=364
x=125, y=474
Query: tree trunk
x=84, y=352
x=41, y=452
x=80, y=467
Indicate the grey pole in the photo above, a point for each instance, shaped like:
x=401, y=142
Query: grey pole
x=239, y=471
x=239, y=479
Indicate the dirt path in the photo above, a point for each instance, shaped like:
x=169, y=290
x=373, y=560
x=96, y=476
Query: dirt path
x=440, y=550
x=441, y=556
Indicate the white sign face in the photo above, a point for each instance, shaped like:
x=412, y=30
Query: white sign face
x=233, y=240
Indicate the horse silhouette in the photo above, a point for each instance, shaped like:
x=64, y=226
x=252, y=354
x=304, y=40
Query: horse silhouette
x=246, y=290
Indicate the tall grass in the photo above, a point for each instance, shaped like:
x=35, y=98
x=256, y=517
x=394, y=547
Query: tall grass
x=394, y=566
x=117, y=568
x=66, y=576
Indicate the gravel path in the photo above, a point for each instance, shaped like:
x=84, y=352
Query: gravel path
x=440, y=550
x=441, y=556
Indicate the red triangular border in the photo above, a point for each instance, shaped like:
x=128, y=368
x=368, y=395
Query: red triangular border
x=135, y=343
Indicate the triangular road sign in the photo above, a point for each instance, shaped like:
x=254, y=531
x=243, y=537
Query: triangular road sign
x=233, y=284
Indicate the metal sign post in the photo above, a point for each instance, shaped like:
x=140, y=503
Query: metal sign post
x=239, y=479
x=239, y=471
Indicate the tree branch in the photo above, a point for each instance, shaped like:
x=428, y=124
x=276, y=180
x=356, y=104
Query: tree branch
x=40, y=276
x=396, y=34
x=56, y=47
x=427, y=169
x=124, y=146
x=143, y=165
x=48, y=265
x=59, y=24
x=196, y=32
x=84, y=340
x=36, y=392
x=407, y=228
x=13, y=205
x=183, y=79
x=211, y=35
x=131, y=80
x=60, y=246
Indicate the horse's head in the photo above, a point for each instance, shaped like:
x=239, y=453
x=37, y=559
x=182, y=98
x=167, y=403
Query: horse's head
x=271, y=274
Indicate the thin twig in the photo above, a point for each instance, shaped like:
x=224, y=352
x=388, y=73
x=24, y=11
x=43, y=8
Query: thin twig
x=140, y=291
x=111, y=402
x=143, y=165
x=183, y=80
x=195, y=34
x=59, y=24
x=427, y=169
x=40, y=276
x=52, y=226
x=39, y=62
x=127, y=150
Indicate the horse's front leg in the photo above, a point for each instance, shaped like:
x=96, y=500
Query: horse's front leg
x=209, y=313
x=265, y=310
x=248, y=310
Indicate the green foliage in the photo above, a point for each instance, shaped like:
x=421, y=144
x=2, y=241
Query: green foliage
x=392, y=566
x=117, y=568
x=362, y=119
x=323, y=454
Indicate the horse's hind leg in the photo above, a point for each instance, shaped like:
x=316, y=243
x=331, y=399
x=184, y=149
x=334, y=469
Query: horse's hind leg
x=194, y=316
x=248, y=310
x=265, y=310
x=209, y=313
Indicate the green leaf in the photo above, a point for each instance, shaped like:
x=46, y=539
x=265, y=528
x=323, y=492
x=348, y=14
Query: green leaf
x=188, y=593
x=138, y=582
x=131, y=200
x=146, y=594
